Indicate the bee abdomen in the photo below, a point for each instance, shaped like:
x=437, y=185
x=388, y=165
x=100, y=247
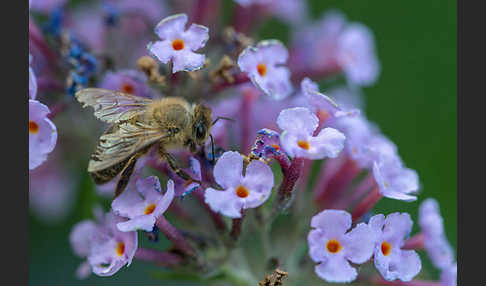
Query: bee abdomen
x=106, y=175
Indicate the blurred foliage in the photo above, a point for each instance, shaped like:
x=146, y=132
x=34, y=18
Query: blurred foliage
x=413, y=102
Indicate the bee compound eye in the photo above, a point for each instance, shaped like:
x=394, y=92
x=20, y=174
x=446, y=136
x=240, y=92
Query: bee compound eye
x=200, y=131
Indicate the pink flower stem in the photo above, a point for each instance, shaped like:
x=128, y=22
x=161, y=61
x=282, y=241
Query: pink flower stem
x=49, y=84
x=36, y=38
x=361, y=189
x=246, y=108
x=239, y=79
x=291, y=173
x=161, y=258
x=201, y=10
x=338, y=183
x=298, y=75
x=215, y=217
x=56, y=109
x=245, y=18
x=366, y=204
x=378, y=280
x=174, y=236
x=415, y=242
x=236, y=226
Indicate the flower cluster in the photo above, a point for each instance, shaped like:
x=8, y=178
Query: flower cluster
x=250, y=187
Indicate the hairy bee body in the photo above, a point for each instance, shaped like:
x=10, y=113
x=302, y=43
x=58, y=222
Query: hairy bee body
x=138, y=124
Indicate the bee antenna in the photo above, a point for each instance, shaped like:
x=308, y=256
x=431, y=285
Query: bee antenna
x=212, y=150
x=222, y=117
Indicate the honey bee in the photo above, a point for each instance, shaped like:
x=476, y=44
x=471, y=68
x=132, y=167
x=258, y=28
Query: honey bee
x=138, y=124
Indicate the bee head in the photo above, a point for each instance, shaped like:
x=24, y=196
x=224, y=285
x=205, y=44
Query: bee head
x=201, y=124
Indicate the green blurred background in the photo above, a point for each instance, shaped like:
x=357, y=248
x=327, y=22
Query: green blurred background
x=413, y=102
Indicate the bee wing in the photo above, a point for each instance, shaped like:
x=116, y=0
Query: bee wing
x=112, y=106
x=121, y=141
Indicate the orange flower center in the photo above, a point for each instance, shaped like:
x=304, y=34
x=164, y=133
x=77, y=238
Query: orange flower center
x=275, y=146
x=127, y=88
x=120, y=248
x=178, y=44
x=262, y=69
x=304, y=144
x=333, y=246
x=150, y=209
x=242, y=192
x=33, y=127
x=385, y=248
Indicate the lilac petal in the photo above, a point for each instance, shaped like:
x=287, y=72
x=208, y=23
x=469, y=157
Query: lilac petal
x=162, y=50
x=409, y=265
x=356, y=54
x=171, y=26
x=376, y=223
x=403, y=185
x=316, y=241
x=336, y=269
x=359, y=243
x=80, y=237
x=439, y=250
x=196, y=36
x=397, y=227
x=258, y=177
x=448, y=277
x=128, y=204
x=297, y=119
x=332, y=222
x=430, y=219
x=225, y=202
x=142, y=222
x=328, y=143
x=227, y=171
x=164, y=203
x=255, y=198
x=276, y=83
x=32, y=84
x=273, y=52
x=149, y=188
x=83, y=271
x=247, y=60
x=185, y=60
x=195, y=168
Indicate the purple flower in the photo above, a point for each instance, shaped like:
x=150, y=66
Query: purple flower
x=390, y=260
x=127, y=81
x=151, y=9
x=356, y=54
x=42, y=133
x=435, y=241
x=240, y=192
x=32, y=81
x=448, y=277
x=179, y=45
x=333, y=247
x=321, y=104
x=394, y=180
x=106, y=248
x=263, y=64
x=142, y=204
x=51, y=192
x=297, y=138
x=291, y=11
x=267, y=144
x=247, y=3
x=183, y=187
x=46, y=6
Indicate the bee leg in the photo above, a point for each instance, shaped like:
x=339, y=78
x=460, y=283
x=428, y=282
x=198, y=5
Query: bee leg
x=175, y=168
x=125, y=176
